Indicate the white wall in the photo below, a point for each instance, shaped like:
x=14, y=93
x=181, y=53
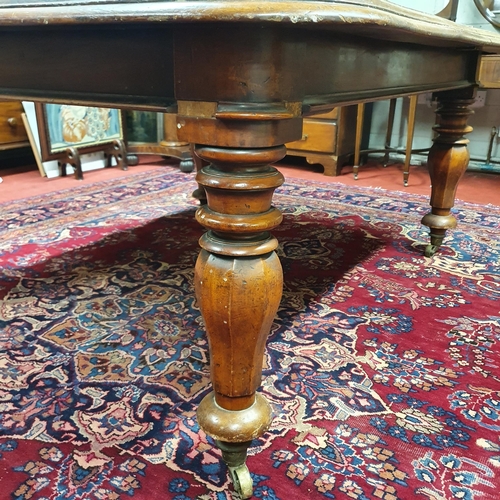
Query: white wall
x=428, y=6
x=482, y=121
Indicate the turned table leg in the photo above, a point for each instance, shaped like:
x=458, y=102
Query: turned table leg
x=238, y=282
x=238, y=275
x=448, y=160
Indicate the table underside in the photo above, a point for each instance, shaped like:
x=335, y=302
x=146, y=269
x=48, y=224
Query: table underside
x=153, y=66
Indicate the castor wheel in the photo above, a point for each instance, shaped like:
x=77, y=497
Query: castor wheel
x=405, y=183
x=132, y=160
x=242, y=481
x=430, y=250
x=186, y=166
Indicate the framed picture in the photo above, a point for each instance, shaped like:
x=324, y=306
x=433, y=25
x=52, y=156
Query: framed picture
x=66, y=132
x=88, y=129
x=143, y=127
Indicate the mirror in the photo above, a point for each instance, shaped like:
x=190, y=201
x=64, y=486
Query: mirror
x=442, y=8
x=490, y=9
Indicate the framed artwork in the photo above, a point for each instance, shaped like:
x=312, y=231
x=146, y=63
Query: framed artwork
x=88, y=129
x=66, y=132
x=143, y=127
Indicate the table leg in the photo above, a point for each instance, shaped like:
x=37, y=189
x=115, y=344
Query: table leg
x=409, y=137
x=448, y=160
x=388, y=135
x=238, y=282
x=359, y=137
x=199, y=192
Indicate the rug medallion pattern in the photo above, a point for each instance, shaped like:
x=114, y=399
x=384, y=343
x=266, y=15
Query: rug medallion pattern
x=382, y=366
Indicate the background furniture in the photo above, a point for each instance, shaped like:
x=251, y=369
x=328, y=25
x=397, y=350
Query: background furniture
x=15, y=149
x=67, y=132
x=388, y=149
x=327, y=139
x=161, y=140
x=12, y=132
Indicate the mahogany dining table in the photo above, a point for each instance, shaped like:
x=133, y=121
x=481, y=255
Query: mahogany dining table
x=241, y=75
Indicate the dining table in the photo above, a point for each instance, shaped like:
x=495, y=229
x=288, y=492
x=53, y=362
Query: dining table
x=241, y=76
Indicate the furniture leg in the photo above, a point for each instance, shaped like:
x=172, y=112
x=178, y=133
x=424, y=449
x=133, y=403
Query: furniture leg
x=329, y=162
x=409, y=137
x=390, y=126
x=199, y=192
x=448, y=160
x=117, y=151
x=359, y=136
x=72, y=157
x=238, y=284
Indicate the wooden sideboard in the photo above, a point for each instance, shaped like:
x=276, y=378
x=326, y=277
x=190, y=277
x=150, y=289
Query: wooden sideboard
x=12, y=132
x=327, y=139
x=167, y=145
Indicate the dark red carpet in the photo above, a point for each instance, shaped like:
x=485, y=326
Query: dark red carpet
x=382, y=366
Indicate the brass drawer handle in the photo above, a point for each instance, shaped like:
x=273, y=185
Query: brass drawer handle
x=12, y=122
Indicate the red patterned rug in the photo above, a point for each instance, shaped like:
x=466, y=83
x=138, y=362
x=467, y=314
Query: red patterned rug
x=382, y=367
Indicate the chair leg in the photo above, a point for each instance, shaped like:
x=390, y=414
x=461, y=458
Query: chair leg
x=409, y=137
x=359, y=135
x=390, y=126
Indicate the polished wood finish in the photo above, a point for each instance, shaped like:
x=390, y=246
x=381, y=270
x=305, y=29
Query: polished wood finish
x=412, y=113
x=448, y=160
x=115, y=150
x=12, y=131
x=169, y=145
x=359, y=133
x=388, y=134
x=243, y=75
x=327, y=139
x=489, y=72
x=388, y=149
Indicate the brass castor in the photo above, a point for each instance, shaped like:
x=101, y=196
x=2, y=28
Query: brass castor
x=430, y=250
x=437, y=237
x=242, y=481
x=234, y=455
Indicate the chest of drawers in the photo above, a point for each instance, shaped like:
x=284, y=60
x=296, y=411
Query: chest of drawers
x=12, y=132
x=327, y=139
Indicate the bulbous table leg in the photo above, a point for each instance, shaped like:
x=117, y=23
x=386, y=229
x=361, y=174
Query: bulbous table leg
x=238, y=282
x=448, y=160
x=238, y=276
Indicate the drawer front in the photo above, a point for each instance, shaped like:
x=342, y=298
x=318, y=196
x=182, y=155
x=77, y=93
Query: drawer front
x=11, y=123
x=317, y=135
x=489, y=72
x=330, y=115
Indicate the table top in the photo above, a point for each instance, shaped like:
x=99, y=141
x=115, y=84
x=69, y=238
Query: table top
x=377, y=18
x=152, y=53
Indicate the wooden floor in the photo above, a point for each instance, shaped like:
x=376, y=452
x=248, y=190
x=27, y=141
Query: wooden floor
x=475, y=187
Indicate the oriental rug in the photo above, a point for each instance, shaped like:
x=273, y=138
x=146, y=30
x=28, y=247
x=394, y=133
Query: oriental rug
x=382, y=366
